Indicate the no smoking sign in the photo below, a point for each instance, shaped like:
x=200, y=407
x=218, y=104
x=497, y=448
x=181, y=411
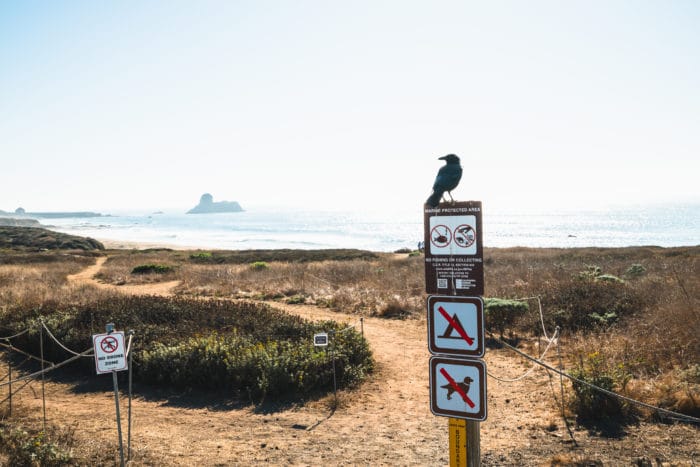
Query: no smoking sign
x=110, y=352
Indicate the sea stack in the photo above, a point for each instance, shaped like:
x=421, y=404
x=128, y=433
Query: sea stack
x=208, y=206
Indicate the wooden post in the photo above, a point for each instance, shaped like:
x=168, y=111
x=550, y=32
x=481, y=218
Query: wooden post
x=473, y=444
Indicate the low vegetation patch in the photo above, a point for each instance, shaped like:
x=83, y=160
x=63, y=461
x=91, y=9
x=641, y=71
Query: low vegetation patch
x=284, y=255
x=36, y=239
x=500, y=313
x=25, y=448
x=152, y=269
x=246, y=348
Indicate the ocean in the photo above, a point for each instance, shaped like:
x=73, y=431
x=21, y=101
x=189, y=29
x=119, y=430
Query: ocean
x=269, y=228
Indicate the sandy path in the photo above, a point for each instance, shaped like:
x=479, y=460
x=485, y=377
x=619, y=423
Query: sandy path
x=87, y=276
x=386, y=421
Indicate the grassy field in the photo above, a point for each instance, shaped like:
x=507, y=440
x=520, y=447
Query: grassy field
x=629, y=317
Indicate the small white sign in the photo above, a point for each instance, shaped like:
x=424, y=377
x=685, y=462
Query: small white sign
x=321, y=339
x=110, y=352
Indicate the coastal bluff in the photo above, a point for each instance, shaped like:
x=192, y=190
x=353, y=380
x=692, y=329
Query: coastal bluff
x=208, y=206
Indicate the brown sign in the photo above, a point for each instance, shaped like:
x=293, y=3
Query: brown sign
x=454, y=263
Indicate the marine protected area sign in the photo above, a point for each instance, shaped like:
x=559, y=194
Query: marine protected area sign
x=458, y=388
x=454, y=249
x=110, y=352
x=456, y=326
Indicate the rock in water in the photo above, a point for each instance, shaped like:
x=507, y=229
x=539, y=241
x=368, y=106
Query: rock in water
x=207, y=206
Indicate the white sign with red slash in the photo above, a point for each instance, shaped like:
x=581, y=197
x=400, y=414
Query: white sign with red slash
x=453, y=235
x=458, y=388
x=456, y=326
x=110, y=352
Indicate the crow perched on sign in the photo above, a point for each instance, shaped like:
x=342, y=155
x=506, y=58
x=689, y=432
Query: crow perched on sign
x=447, y=179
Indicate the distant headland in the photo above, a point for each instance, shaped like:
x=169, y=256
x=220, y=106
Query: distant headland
x=50, y=215
x=208, y=206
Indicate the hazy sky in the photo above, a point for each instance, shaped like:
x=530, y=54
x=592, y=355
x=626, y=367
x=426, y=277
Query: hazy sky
x=107, y=105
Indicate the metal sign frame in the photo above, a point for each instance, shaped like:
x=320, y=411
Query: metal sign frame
x=451, y=392
x=110, y=352
x=456, y=326
x=454, y=249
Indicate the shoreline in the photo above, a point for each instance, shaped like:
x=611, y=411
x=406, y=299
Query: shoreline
x=110, y=244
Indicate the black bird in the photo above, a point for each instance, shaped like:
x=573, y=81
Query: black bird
x=447, y=179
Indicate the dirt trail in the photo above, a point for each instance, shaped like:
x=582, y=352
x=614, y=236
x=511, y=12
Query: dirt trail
x=87, y=276
x=386, y=421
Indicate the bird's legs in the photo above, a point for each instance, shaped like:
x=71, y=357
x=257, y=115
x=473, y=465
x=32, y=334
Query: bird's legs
x=451, y=198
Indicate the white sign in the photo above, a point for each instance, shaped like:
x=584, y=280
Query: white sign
x=110, y=352
x=321, y=339
x=458, y=388
x=452, y=235
x=456, y=326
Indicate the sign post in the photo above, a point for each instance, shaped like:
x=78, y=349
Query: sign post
x=110, y=356
x=454, y=272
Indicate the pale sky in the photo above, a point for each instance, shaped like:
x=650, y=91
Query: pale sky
x=342, y=104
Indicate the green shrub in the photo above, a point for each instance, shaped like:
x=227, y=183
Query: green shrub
x=259, y=266
x=591, y=404
x=500, y=313
x=296, y=299
x=246, y=347
x=609, y=278
x=152, y=269
x=22, y=448
x=635, y=270
x=201, y=257
x=590, y=300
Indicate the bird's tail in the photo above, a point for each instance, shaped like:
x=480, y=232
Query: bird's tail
x=434, y=199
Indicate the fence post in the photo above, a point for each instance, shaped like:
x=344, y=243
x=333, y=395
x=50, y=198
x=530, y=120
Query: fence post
x=110, y=329
x=41, y=351
x=9, y=370
x=131, y=361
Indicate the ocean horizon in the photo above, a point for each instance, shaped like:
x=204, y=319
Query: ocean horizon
x=275, y=228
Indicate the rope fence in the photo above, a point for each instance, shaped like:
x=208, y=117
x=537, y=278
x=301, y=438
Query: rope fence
x=552, y=339
x=540, y=362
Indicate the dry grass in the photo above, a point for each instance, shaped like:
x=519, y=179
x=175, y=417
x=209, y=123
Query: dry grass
x=653, y=345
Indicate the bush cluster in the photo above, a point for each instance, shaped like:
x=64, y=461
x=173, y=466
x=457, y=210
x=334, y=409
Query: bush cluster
x=23, y=448
x=588, y=402
x=500, y=313
x=246, y=347
x=152, y=269
x=590, y=300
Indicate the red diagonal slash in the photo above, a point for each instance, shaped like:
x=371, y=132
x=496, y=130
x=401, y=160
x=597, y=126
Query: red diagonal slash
x=455, y=325
x=456, y=387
